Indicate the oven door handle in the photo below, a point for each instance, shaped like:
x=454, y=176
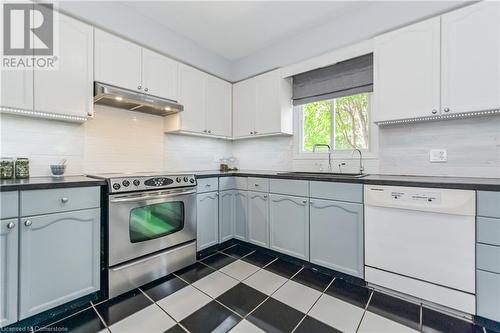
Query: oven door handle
x=150, y=197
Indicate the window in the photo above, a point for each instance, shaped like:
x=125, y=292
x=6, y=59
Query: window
x=343, y=123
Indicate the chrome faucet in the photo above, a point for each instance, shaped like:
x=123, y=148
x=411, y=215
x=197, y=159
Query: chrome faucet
x=361, y=167
x=316, y=145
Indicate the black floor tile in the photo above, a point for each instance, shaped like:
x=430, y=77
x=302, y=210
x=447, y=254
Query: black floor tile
x=309, y=325
x=348, y=292
x=122, y=306
x=237, y=251
x=395, y=309
x=175, y=329
x=259, y=258
x=433, y=321
x=194, y=272
x=242, y=298
x=313, y=279
x=163, y=287
x=218, y=260
x=283, y=268
x=213, y=317
x=84, y=322
x=274, y=316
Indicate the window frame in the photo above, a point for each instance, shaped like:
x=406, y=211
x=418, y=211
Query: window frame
x=344, y=154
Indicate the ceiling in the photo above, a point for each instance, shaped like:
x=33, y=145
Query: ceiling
x=238, y=29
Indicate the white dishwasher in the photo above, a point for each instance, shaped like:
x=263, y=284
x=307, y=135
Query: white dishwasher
x=421, y=242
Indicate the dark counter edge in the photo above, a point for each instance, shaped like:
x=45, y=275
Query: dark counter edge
x=481, y=184
x=44, y=183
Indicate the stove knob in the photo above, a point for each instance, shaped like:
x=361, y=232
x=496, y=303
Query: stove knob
x=137, y=182
x=191, y=180
x=186, y=179
x=125, y=183
x=178, y=179
x=116, y=186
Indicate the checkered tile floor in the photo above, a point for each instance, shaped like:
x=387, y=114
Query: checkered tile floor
x=242, y=290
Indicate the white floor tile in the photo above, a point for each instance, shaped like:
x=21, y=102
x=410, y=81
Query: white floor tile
x=339, y=314
x=373, y=323
x=151, y=319
x=265, y=281
x=239, y=269
x=245, y=326
x=297, y=296
x=215, y=284
x=184, y=302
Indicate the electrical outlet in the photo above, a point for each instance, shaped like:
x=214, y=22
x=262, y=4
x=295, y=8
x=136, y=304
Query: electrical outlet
x=438, y=156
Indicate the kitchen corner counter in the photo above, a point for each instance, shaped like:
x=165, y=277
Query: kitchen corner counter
x=463, y=183
x=37, y=183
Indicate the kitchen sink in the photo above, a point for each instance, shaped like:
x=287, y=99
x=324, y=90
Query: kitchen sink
x=324, y=174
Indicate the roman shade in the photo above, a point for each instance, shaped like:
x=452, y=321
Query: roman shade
x=344, y=78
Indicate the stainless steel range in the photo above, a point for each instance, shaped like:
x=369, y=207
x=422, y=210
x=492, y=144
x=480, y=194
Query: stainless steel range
x=152, y=227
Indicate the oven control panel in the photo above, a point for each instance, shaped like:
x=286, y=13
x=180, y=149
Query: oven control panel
x=141, y=183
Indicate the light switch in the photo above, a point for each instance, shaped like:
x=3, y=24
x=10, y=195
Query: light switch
x=438, y=156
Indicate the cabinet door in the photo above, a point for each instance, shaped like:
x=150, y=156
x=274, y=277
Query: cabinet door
x=17, y=89
x=337, y=236
x=244, y=105
x=207, y=231
x=59, y=259
x=258, y=218
x=407, y=71
x=8, y=271
x=226, y=215
x=117, y=61
x=268, y=110
x=240, y=215
x=471, y=58
x=191, y=95
x=218, y=106
x=488, y=294
x=160, y=75
x=70, y=88
x=289, y=225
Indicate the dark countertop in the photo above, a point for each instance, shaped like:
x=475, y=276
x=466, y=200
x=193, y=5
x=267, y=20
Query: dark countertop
x=465, y=183
x=37, y=183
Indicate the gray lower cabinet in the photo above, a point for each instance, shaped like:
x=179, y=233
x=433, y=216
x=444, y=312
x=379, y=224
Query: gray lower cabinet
x=59, y=259
x=226, y=215
x=336, y=236
x=289, y=225
x=8, y=270
x=207, y=231
x=241, y=215
x=258, y=218
x=488, y=295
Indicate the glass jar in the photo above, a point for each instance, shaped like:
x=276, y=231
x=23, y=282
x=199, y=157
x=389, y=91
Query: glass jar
x=6, y=168
x=22, y=168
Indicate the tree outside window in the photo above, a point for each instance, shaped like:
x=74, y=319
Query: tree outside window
x=349, y=128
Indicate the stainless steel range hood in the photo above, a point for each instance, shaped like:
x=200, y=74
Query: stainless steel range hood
x=109, y=95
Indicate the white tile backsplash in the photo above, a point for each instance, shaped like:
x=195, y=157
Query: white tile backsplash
x=271, y=153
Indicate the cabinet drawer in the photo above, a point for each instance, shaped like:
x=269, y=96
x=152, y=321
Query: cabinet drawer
x=488, y=258
x=488, y=230
x=207, y=185
x=488, y=295
x=258, y=184
x=336, y=191
x=292, y=187
x=232, y=183
x=9, y=204
x=37, y=202
x=488, y=204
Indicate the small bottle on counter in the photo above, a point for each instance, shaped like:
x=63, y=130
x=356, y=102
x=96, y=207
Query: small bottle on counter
x=6, y=168
x=22, y=168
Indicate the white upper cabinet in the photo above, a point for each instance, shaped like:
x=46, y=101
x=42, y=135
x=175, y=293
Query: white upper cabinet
x=207, y=105
x=471, y=58
x=17, y=89
x=68, y=89
x=406, y=77
x=262, y=106
x=159, y=75
x=117, y=61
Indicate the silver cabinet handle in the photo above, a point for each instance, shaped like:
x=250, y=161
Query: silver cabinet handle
x=207, y=185
x=304, y=201
x=251, y=133
x=311, y=203
x=209, y=131
x=265, y=196
x=139, y=87
x=446, y=110
x=434, y=111
x=216, y=194
x=11, y=225
x=28, y=223
x=204, y=131
x=64, y=200
x=256, y=184
x=146, y=89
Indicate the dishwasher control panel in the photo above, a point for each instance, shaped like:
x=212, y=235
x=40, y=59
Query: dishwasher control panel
x=416, y=196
